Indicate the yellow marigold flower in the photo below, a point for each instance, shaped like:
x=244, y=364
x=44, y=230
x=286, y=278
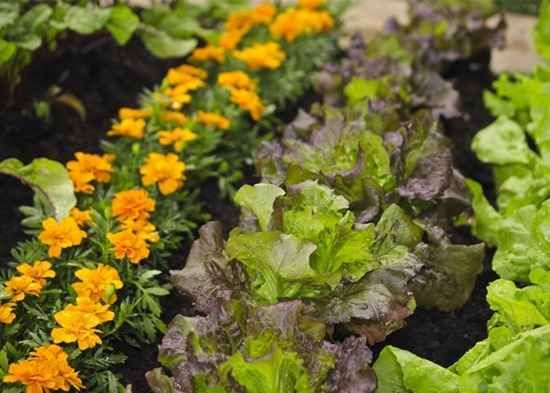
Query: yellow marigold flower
x=46, y=370
x=263, y=13
x=132, y=128
x=128, y=244
x=166, y=170
x=89, y=167
x=81, y=217
x=60, y=235
x=176, y=77
x=177, y=137
x=132, y=205
x=175, y=117
x=130, y=113
x=259, y=56
x=76, y=327
x=144, y=229
x=236, y=79
x=192, y=70
x=86, y=305
x=248, y=101
x=310, y=4
x=230, y=39
x=242, y=21
x=98, y=284
x=209, y=52
x=20, y=286
x=39, y=271
x=7, y=316
x=213, y=119
x=295, y=22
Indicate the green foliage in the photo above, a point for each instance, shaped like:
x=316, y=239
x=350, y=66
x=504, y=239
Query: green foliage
x=48, y=179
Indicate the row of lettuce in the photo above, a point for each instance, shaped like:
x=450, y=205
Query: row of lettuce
x=515, y=356
x=91, y=277
x=350, y=229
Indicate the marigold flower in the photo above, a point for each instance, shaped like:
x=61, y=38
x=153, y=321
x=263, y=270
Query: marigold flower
x=7, y=316
x=132, y=128
x=260, y=56
x=230, y=39
x=88, y=306
x=81, y=217
x=213, y=119
x=177, y=137
x=77, y=327
x=295, y=22
x=98, y=284
x=166, y=170
x=248, y=101
x=60, y=235
x=209, y=52
x=39, y=271
x=20, y=286
x=142, y=228
x=236, y=79
x=128, y=244
x=310, y=4
x=46, y=370
x=130, y=113
x=263, y=13
x=190, y=81
x=175, y=117
x=192, y=70
x=242, y=21
x=89, y=167
x=132, y=204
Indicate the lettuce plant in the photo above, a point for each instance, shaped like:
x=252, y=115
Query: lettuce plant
x=514, y=357
x=306, y=244
x=259, y=349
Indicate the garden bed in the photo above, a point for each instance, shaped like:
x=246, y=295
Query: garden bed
x=106, y=77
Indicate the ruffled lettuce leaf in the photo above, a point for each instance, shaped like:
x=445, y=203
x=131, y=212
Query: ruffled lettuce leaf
x=269, y=349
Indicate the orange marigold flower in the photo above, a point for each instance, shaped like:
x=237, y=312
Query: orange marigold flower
x=130, y=113
x=132, y=205
x=263, y=13
x=144, y=229
x=39, y=271
x=128, y=244
x=295, y=22
x=242, y=21
x=192, y=70
x=177, y=137
x=260, y=56
x=46, y=370
x=7, y=316
x=248, y=101
x=190, y=81
x=310, y=4
x=165, y=170
x=60, y=235
x=230, y=39
x=132, y=128
x=89, y=167
x=86, y=305
x=175, y=117
x=98, y=284
x=236, y=79
x=213, y=119
x=209, y=52
x=77, y=327
x=81, y=217
x=20, y=286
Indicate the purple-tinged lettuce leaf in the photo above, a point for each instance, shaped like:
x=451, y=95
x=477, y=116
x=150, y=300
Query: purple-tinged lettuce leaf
x=247, y=349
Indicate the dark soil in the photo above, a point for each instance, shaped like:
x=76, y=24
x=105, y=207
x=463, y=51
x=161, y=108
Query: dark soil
x=105, y=77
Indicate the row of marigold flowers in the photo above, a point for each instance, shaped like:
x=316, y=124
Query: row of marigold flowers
x=47, y=367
